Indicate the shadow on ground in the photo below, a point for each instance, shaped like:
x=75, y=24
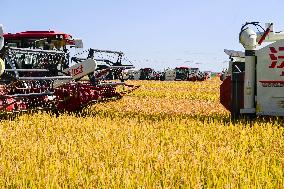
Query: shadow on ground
x=154, y=117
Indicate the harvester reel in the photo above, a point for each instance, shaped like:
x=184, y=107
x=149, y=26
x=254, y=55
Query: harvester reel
x=35, y=79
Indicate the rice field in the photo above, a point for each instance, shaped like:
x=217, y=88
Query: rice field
x=163, y=135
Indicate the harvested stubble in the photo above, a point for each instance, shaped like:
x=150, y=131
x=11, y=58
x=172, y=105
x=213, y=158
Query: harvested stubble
x=164, y=135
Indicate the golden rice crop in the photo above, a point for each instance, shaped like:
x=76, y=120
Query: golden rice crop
x=163, y=135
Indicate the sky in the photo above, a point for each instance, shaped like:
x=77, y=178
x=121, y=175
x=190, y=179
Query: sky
x=152, y=33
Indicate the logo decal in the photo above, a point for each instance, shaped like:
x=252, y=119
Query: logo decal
x=274, y=58
x=77, y=71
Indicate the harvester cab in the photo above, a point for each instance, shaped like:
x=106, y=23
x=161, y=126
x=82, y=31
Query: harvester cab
x=254, y=84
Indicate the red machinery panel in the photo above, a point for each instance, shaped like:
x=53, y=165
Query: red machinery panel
x=226, y=93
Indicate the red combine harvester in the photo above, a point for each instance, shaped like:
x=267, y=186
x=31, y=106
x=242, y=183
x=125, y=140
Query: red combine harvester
x=35, y=73
x=254, y=83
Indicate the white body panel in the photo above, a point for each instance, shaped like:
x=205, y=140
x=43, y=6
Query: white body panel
x=170, y=75
x=78, y=71
x=136, y=74
x=270, y=80
x=84, y=68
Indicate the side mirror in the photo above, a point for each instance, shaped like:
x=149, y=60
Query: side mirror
x=1, y=37
x=78, y=43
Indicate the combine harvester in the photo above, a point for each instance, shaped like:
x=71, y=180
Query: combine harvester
x=143, y=74
x=185, y=74
x=35, y=73
x=254, y=82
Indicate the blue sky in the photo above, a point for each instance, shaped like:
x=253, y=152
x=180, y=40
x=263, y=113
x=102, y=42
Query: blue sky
x=152, y=33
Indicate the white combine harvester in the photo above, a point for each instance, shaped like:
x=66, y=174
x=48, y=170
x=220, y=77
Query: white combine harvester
x=185, y=74
x=143, y=74
x=254, y=83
